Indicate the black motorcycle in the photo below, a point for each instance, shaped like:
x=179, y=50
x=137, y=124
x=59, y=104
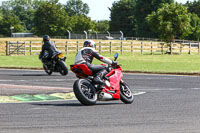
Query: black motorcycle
x=55, y=64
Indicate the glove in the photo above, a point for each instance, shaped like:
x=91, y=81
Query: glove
x=114, y=63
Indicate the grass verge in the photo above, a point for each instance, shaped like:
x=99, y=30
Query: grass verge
x=130, y=62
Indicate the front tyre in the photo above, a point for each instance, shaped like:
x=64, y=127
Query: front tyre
x=126, y=94
x=63, y=68
x=85, y=92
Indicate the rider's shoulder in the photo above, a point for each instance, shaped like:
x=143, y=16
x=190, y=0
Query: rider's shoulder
x=88, y=49
x=47, y=43
x=51, y=42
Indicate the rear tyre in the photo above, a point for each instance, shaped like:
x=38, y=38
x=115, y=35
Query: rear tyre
x=48, y=71
x=63, y=68
x=126, y=94
x=85, y=92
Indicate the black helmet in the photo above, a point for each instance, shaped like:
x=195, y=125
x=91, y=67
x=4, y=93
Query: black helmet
x=46, y=38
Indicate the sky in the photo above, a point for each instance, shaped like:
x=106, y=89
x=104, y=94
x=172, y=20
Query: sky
x=99, y=8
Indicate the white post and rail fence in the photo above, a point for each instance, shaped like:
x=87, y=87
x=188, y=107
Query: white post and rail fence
x=142, y=47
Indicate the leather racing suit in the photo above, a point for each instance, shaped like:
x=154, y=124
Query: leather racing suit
x=49, y=47
x=86, y=55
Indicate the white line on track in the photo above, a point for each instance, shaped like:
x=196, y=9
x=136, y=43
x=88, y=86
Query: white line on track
x=19, y=69
x=139, y=93
x=2, y=80
x=195, y=88
x=59, y=80
x=164, y=75
x=163, y=89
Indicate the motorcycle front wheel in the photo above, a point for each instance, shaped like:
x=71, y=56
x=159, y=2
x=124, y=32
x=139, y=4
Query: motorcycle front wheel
x=85, y=92
x=63, y=68
x=126, y=94
x=48, y=71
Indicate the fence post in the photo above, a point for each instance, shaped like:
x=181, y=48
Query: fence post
x=7, y=48
x=24, y=48
x=77, y=46
x=30, y=47
x=110, y=48
x=66, y=47
x=171, y=48
x=121, y=47
x=151, y=48
x=189, y=48
x=17, y=47
x=100, y=50
x=180, y=48
x=132, y=47
x=141, y=48
x=198, y=47
x=162, y=48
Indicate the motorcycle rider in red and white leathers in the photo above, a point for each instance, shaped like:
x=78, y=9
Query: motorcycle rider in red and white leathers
x=86, y=55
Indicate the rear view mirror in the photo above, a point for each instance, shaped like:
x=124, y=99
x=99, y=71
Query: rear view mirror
x=116, y=56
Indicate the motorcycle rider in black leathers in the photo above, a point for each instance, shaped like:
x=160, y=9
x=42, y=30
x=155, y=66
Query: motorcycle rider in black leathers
x=49, y=47
x=86, y=55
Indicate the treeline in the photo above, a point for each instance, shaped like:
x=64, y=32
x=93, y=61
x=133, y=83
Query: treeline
x=163, y=19
x=47, y=17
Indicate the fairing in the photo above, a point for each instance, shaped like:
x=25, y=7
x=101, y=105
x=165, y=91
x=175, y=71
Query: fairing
x=81, y=70
x=115, y=76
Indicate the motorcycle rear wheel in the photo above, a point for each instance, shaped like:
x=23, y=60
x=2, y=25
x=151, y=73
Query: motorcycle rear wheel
x=85, y=92
x=63, y=68
x=126, y=95
x=48, y=71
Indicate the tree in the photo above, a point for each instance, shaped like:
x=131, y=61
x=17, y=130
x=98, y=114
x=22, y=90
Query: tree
x=81, y=23
x=21, y=8
x=1, y=16
x=9, y=21
x=193, y=7
x=24, y=9
x=76, y=7
x=171, y=21
x=195, y=30
x=122, y=17
x=143, y=8
x=102, y=26
x=52, y=19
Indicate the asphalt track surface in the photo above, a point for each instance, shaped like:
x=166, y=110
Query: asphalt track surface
x=171, y=104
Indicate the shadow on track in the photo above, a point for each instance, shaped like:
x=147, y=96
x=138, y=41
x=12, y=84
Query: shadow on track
x=75, y=104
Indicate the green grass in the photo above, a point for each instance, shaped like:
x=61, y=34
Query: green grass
x=130, y=62
x=162, y=63
x=20, y=61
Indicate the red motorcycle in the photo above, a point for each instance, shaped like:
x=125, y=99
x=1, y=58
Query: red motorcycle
x=88, y=93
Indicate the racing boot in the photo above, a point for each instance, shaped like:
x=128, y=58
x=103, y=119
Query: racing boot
x=98, y=79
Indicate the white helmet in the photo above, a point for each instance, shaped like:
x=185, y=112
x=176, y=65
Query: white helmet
x=89, y=43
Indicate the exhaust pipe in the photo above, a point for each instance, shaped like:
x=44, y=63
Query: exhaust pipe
x=105, y=96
